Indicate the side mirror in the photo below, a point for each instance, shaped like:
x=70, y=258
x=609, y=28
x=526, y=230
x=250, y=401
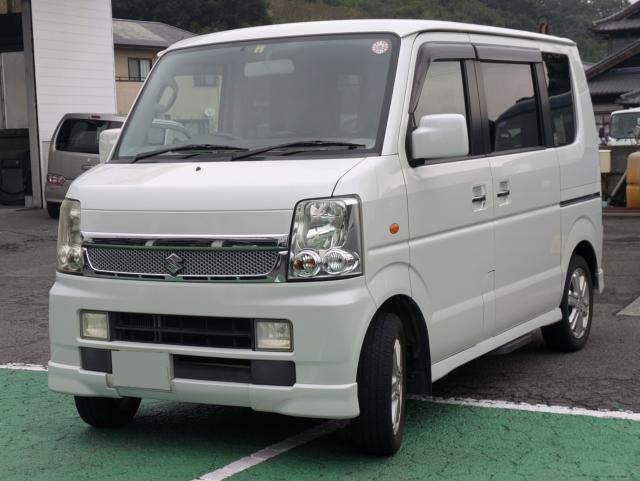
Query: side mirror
x=108, y=139
x=440, y=136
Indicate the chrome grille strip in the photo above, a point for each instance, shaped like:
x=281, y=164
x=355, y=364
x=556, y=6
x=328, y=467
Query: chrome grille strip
x=199, y=259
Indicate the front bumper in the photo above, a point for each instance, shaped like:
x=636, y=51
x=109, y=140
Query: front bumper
x=329, y=321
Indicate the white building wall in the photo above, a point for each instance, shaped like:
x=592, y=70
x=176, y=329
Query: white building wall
x=73, y=60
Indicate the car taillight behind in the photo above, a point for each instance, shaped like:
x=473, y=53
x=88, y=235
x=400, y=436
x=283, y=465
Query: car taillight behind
x=55, y=179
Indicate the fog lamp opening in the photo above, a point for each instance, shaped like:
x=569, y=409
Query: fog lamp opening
x=95, y=325
x=274, y=335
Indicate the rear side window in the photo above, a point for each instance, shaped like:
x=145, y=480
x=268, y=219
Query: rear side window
x=558, y=76
x=82, y=135
x=512, y=106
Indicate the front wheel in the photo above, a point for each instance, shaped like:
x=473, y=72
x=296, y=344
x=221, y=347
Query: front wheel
x=102, y=412
x=381, y=388
x=572, y=332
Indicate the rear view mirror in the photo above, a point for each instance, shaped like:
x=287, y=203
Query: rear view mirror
x=268, y=67
x=108, y=139
x=440, y=136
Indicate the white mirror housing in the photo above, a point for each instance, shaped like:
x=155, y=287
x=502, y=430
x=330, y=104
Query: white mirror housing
x=108, y=139
x=440, y=136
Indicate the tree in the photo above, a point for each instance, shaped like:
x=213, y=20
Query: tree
x=197, y=16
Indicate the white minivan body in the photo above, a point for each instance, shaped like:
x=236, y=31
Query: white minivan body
x=362, y=207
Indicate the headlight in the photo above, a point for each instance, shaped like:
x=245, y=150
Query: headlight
x=325, y=239
x=70, y=258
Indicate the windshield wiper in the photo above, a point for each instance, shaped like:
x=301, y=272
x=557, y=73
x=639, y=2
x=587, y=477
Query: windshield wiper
x=184, y=148
x=305, y=144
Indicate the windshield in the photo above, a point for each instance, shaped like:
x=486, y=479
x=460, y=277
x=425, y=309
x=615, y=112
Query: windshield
x=265, y=93
x=623, y=125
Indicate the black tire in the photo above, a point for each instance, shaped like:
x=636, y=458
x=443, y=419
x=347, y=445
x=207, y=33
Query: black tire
x=53, y=208
x=561, y=336
x=102, y=412
x=373, y=431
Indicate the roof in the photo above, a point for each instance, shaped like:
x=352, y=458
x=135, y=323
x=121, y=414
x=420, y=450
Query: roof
x=626, y=19
x=615, y=83
x=614, y=59
x=140, y=33
x=626, y=111
x=402, y=28
x=630, y=98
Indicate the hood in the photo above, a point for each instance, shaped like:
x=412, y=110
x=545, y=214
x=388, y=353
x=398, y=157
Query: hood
x=208, y=198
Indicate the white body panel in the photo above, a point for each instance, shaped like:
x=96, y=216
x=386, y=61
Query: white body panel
x=479, y=272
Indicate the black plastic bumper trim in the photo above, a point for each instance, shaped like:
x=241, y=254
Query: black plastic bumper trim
x=266, y=373
x=93, y=359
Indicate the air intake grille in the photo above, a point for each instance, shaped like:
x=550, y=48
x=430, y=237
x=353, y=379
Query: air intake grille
x=184, y=263
x=222, y=332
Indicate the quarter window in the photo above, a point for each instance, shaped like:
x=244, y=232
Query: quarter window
x=560, y=98
x=443, y=91
x=512, y=106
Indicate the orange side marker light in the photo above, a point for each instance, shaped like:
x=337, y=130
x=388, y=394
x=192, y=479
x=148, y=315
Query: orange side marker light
x=394, y=228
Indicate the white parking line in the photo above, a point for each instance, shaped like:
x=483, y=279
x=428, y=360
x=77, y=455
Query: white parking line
x=537, y=408
x=632, y=309
x=19, y=366
x=272, y=451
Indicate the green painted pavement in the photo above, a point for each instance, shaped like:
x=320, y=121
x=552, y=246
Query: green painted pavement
x=445, y=442
x=42, y=438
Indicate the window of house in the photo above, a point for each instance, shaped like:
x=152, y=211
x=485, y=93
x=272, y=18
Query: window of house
x=512, y=106
x=443, y=91
x=558, y=76
x=139, y=68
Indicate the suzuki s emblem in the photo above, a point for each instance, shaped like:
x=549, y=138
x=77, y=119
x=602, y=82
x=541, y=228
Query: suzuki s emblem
x=174, y=264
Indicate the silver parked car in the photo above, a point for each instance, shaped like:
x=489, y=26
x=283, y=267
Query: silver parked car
x=74, y=149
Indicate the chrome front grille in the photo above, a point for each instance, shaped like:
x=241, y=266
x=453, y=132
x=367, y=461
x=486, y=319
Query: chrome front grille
x=182, y=259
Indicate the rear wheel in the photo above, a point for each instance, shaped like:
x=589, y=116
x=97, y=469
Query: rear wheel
x=572, y=332
x=53, y=208
x=101, y=412
x=381, y=388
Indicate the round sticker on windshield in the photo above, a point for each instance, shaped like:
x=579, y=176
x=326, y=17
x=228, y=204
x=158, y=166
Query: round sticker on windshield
x=380, y=47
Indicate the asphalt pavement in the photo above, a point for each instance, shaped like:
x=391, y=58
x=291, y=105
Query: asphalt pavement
x=604, y=375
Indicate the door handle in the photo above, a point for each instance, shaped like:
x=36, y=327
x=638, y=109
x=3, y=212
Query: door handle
x=504, y=189
x=479, y=197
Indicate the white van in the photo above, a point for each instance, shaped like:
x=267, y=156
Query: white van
x=361, y=207
x=624, y=128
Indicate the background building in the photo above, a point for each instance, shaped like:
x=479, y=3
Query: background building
x=56, y=56
x=614, y=81
x=136, y=44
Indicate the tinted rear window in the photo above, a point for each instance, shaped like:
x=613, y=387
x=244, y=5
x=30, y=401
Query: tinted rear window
x=82, y=135
x=560, y=98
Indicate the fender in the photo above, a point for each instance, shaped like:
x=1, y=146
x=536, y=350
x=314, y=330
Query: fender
x=582, y=229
